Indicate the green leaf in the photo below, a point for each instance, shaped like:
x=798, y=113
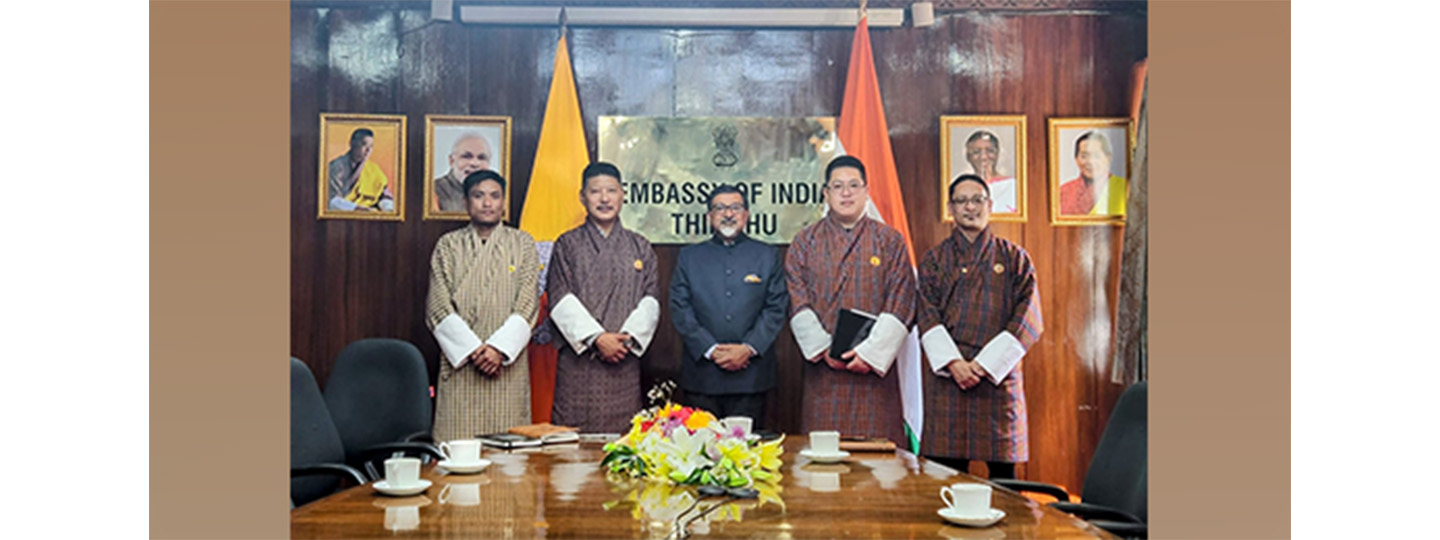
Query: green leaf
x=610, y=459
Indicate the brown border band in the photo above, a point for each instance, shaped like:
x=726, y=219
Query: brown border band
x=219, y=263
x=1220, y=269
x=1220, y=360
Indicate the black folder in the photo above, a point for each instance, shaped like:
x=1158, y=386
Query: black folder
x=508, y=441
x=851, y=328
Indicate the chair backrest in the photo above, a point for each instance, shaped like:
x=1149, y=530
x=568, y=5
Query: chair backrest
x=1119, y=472
x=313, y=438
x=378, y=392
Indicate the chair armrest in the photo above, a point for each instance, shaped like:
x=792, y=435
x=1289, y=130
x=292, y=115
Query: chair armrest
x=1033, y=487
x=366, y=458
x=1090, y=512
x=420, y=436
x=1123, y=530
x=407, y=448
x=330, y=469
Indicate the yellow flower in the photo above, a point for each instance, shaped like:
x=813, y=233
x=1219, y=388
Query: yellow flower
x=738, y=452
x=699, y=419
x=770, y=454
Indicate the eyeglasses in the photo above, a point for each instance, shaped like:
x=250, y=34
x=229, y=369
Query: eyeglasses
x=978, y=200
x=721, y=208
x=837, y=186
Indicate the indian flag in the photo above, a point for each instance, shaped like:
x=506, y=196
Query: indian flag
x=863, y=133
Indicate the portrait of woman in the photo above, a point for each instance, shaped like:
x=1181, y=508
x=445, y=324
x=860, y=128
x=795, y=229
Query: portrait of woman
x=1089, y=161
x=993, y=148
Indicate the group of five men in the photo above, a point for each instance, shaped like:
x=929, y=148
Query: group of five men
x=976, y=304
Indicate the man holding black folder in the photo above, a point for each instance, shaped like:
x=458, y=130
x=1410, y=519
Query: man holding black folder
x=728, y=300
x=980, y=313
x=847, y=261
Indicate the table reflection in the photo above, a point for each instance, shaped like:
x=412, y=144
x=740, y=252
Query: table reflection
x=663, y=506
x=402, y=514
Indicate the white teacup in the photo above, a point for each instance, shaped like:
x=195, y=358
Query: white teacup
x=402, y=471
x=402, y=518
x=744, y=423
x=461, y=452
x=825, y=442
x=460, y=494
x=967, y=499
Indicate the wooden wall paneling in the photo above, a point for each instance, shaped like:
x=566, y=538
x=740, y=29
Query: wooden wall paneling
x=308, y=62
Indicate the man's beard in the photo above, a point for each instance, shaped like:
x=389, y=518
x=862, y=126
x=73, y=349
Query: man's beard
x=728, y=231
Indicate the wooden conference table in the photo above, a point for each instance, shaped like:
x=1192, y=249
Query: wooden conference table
x=561, y=492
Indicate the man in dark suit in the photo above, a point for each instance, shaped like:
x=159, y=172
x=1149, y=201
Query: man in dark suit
x=728, y=301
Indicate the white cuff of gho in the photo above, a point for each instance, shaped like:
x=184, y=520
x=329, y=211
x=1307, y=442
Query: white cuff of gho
x=940, y=349
x=809, y=334
x=456, y=339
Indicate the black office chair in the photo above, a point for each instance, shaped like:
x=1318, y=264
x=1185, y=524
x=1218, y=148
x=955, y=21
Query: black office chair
x=317, y=458
x=1115, y=490
x=379, y=395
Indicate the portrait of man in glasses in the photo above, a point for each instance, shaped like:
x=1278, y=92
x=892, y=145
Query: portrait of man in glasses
x=728, y=301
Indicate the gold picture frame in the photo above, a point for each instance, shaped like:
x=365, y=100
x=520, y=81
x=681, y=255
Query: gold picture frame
x=1007, y=179
x=446, y=134
x=375, y=188
x=1106, y=201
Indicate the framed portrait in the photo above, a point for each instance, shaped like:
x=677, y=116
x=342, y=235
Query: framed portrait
x=1089, y=170
x=455, y=147
x=362, y=167
x=991, y=147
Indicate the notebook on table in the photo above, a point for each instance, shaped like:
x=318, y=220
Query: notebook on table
x=864, y=444
x=531, y=436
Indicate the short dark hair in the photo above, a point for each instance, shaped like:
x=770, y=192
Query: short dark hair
x=598, y=168
x=479, y=176
x=723, y=189
x=967, y=178
x=1104, y=142
x=846, y=161
x=360, y=134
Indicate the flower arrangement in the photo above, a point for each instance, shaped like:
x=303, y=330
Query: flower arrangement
x=683, y=445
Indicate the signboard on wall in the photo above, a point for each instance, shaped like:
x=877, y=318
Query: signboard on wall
x=670, y=165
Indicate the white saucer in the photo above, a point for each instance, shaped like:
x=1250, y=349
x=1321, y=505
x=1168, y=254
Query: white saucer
x=836, y=457
x=402, y=491
x=994, y=516
x=465, y=468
